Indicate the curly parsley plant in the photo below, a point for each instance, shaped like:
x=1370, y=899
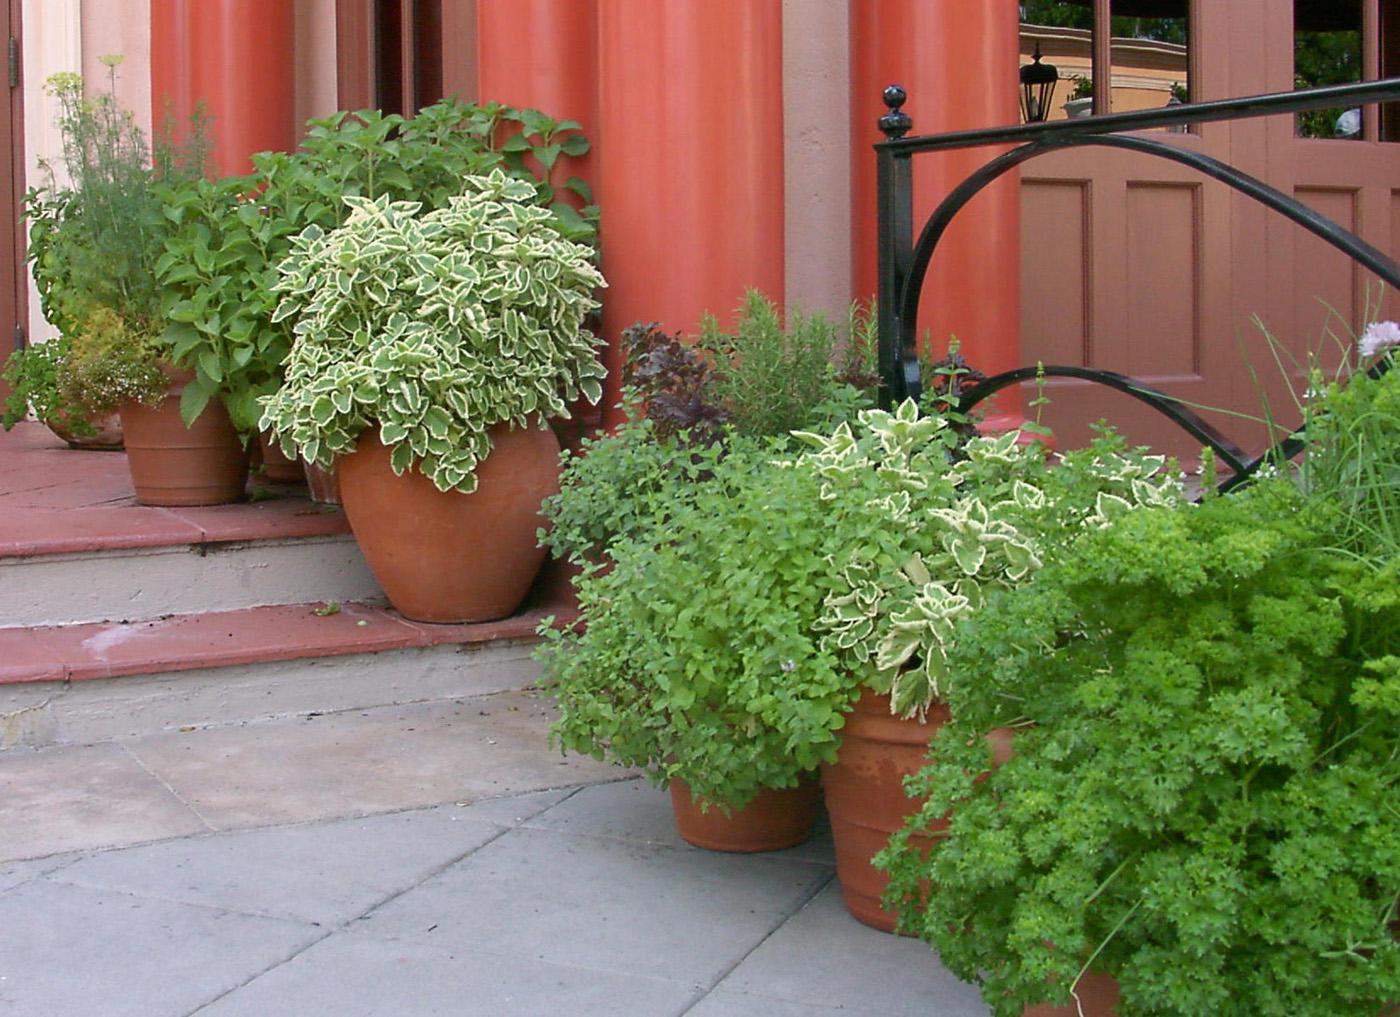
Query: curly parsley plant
x=434, y=328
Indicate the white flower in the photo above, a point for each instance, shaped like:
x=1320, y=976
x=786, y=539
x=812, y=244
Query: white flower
x=1379, y=335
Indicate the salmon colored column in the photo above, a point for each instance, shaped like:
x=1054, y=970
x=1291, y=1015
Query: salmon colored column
x=690, y=160
x=171, y=101
x=556, y=71
x=958, y=61
x=235, y=56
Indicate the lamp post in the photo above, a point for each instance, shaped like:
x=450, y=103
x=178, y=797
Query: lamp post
x=1038, y=82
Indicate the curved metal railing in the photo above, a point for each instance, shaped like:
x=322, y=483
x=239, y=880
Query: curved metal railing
x=904, y=262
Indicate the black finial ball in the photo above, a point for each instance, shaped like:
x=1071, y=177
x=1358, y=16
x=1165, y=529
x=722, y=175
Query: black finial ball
x=895, y=123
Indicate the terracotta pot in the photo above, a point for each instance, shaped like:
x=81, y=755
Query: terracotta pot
x=448, y=556
x=205, y=464
x=276, y=467
x=107, y=439
x=865, y=796
x=1098, y=996
x=323, y=485
x=777, y=818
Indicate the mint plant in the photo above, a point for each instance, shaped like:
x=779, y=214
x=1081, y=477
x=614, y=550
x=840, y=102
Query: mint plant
x=433, y=328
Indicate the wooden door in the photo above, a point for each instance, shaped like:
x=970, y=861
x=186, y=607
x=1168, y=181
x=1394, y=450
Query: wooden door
x=1137, y=265
x=13, y=279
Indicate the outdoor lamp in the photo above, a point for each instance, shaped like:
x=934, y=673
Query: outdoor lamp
x=1038, y=82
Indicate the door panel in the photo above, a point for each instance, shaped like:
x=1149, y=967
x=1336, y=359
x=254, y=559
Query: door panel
x=13, y=292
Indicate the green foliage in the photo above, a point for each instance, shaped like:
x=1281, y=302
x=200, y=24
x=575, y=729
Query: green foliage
x=742, y=618
x=930, y=524
x=34, y=376
x=1353, y=459
x=776, y=373
x=620, y=484
x=1202, y=799
x=110, y=362
x=227, y=237
x=700, y=659
x=434, y=327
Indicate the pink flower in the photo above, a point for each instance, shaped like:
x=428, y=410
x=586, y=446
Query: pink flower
x=1379, y=335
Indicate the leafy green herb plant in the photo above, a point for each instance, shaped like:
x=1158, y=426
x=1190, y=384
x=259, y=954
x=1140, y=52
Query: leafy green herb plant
x=34, y=375
x=227, y=237
x=1202, y=800
x=434, y=328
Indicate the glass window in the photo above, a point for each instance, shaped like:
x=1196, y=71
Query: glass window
x=1327, y=50
x=1148, y=52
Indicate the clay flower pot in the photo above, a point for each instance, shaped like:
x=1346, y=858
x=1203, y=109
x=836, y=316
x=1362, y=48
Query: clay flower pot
x=777, y=818
x=276, y=467
x=1098, y=997
x=204, y=464
x=865, y=796
x=448, y=556
x=108, y=436
x=322, y=485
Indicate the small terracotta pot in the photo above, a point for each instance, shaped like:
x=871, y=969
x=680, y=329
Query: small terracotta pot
x=205, y=464
x=276, y=467
x=777, y=818
x=865, y=796
x=108, y=436
x=322, y=485
x=447, y=556
x=1098, y=997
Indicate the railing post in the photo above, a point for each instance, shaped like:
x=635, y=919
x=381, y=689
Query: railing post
x=894, y=188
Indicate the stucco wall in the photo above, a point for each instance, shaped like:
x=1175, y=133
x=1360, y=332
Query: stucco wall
x=816, y=154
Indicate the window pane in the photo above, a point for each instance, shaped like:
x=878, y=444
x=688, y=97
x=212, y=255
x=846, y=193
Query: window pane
x=1390, y=65
x=1149, y=54
x=1064, y=31
x=1327, y=51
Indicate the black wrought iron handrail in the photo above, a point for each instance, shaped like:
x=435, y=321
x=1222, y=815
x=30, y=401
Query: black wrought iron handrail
x=904, y=262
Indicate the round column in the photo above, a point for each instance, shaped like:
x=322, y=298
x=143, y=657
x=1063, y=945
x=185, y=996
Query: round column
x=958, y=61
x=171, y=86
x=690, y=160
x=240, y=63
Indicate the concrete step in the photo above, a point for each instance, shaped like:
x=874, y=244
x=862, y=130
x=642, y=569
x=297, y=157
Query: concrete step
x=87, y=683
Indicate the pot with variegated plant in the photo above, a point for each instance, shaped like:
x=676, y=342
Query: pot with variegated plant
x=932, y=525
x=429, y=350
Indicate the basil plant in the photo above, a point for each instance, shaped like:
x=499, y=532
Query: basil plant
x=434, y=328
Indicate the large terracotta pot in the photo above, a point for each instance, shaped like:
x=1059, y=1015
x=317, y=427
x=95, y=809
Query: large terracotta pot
x=865, y=796
x=107, y=436
x=776, y=819
x=205, y=464
x=276, y=467
x=448, y=556
x=322, y=485
x=1098, y=996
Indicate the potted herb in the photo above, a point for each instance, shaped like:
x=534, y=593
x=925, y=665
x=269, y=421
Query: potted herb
x=429, y=350
x=35, y=375
x=227, y=237
x=1202, y=800
x=94, y=244
x=931, y=523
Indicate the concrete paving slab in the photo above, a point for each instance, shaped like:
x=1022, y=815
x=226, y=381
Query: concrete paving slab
x=13, y=874
x=634, y=810
x=322, y=873
x=722, y=1003
x=68, y=951
x=824, y=957
x=356, y=764
x=588, y=902
x=361, y=976
x=57, y=800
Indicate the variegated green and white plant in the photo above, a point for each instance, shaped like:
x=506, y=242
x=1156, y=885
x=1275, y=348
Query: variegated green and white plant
x=434, y=328
x=935, y=525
